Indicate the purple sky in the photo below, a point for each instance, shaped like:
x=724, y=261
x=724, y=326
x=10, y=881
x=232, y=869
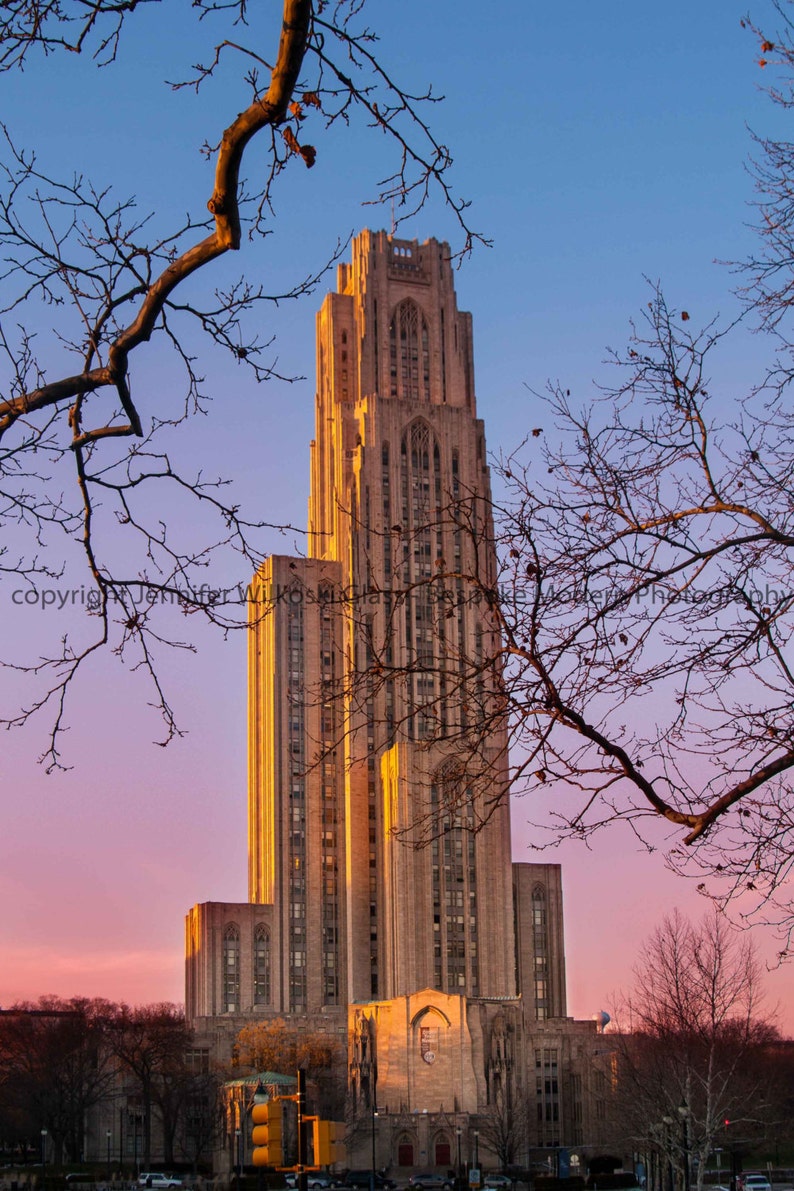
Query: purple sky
x=600, y=146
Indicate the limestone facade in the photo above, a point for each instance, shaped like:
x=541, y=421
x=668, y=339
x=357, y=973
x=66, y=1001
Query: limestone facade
x=382, y=900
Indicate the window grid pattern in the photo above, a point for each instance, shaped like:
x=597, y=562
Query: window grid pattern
x=540, y=952
x=409, y=353
x=547, y=1085
x=388, y=563
x=231, y=969
x=454, y=885
x=296, y=929
x=261, y=966
x=420, y=492
x=331, y=893
x=457, y=567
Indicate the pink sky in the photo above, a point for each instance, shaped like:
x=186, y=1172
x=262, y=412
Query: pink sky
x=99, y=865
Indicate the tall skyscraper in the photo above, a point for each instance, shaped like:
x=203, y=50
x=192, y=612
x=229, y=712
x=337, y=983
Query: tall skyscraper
x=382, y=899
x=367, y=674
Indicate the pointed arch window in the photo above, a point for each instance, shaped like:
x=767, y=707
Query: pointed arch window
x=405, y=1151
x=409, y=353
x=231, y=969
x=261, y=966
x=443, y=1150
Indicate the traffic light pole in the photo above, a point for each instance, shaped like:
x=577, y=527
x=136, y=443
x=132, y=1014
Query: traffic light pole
x=301, y=1099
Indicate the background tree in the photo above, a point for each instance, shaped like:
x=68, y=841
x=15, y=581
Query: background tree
x=80, y=460
x=54, y=1068
x=693, y=1045
x=646, y=612
x=504, y=1129
x=275, y=1046
x=199, y=1122
x=151, y=1043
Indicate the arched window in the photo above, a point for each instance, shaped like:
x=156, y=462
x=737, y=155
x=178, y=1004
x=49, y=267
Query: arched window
x=231, y=969
x=409, y=353
x=261, y=966
x=405, y=1151
x=442, y=1150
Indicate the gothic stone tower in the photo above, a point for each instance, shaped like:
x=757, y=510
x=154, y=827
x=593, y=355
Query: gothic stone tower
x=398, y=514
x=382, y=900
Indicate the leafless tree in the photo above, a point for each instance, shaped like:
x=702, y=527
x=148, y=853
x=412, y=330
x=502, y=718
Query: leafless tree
x=55, y=1068
x=504, y=1129
x=693, y=1045
x=636, y=641
x=645, y=605
x=84, y=453
x=199, y=1122
x=151, y=1043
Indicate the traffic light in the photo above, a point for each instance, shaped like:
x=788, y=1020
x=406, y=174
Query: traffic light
x=267, y=1133
x=309, y=1142
x=328, y=1142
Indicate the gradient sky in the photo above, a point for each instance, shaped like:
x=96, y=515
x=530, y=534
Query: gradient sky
x=601, y=146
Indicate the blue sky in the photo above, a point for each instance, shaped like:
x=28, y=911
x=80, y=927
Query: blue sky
x=600, y=146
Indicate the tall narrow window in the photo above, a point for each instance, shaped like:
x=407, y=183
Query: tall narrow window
x=454, y=884
x=231, y=969
x=261, y=966
x=331, y=896
x=409, y=350
x=540, y=951
x=548, y=1096
x=420, y=468
x=297, y=803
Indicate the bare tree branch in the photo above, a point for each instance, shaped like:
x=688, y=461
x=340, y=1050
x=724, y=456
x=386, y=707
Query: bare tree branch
x=116, y=282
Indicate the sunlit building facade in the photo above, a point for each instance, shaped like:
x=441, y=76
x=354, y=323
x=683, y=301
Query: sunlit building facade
x=383, y=905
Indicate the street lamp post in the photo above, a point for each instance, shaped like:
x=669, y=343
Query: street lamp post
x=457, y=1167
x=477, y=1155
x=683, y=1112
x=373, y=1171
x=668, y=1123
x=108, y=1136
x=44, y=1158
x=237, y=1154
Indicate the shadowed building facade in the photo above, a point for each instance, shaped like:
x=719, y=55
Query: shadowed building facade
x=383, y=905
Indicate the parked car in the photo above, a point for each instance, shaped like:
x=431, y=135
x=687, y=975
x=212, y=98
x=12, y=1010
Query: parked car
x=432, y=1182
x=753, y=1180
x=361, y=1179
x=319, y=1182
x=154, y=1178
x=500, y=1181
